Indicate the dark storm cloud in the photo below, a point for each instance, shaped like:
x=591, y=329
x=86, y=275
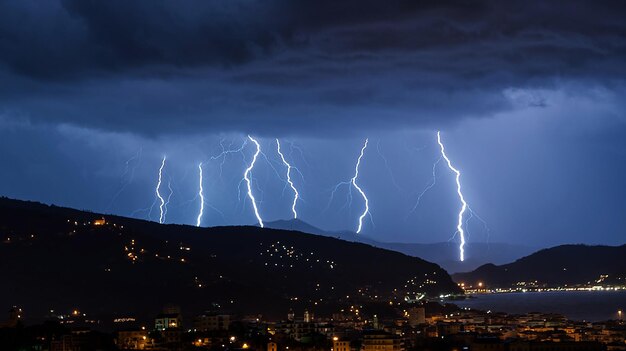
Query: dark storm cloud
x=59, y=39
x=291, y=66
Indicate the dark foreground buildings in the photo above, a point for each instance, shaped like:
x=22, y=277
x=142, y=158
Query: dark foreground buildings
x=423, y=327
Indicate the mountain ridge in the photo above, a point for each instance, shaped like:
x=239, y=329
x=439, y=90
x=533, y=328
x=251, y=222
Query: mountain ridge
x=54, y=258
x=571, y=264
x=444, y=254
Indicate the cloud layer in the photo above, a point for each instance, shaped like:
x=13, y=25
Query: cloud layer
x=306, y=67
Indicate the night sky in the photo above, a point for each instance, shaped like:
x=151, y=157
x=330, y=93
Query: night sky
x=530, y=99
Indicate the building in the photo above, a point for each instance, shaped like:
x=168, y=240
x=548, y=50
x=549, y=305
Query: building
x=133, y=339
x=15, y=314
x=78, y=340
x=171, y=337
x=417, y=316
x=556, y=346
x=167, y=321
x=450, y=328
x=340, y=345
x=171, y=318
x=211, y=322
x=381, y=341
x=65, y=343
x=488, y=344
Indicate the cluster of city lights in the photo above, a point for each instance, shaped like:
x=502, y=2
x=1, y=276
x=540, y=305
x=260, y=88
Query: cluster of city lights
x=281, y=255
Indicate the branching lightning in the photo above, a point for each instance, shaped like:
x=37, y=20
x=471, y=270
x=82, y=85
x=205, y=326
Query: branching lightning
x=201, y=195
x=158, y=191
x=332, y=194
x=292, y=147
x=352, y=183
x=222, y=156
x=428, y=187
x=129, y=169
x=393, y=178
x=295, y=191
x=225, y=152
x=459, y=226
x=246, y=177
x=169, y=197
x=356, y=175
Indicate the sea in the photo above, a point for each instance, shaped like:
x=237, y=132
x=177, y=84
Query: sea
x=589, y=306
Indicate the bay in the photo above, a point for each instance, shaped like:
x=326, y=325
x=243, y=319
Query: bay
x=575, y=305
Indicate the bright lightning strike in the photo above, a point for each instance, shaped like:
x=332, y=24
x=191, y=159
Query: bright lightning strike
x=158, y=191
x=352, y=183
x=356, y=175
x=201, y=195
x=295, y=191
x=459, y=226
x=246, y=177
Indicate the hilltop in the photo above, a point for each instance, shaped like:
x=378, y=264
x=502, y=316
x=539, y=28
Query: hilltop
x=556, y=266
x=63, y=259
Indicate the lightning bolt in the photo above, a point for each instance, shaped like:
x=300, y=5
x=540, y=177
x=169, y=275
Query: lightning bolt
x=459, y=226
x=169, y=197
x=292, y=147
x=352, y=183
x=201, y=195
x=246, y=177
x=222, y=156
x=428, y=187
x=356, y=175
x=129, y=167
x=332, y=195
x=158, y=191
x=225, y=152
x=295, y=191
x=382, y=156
